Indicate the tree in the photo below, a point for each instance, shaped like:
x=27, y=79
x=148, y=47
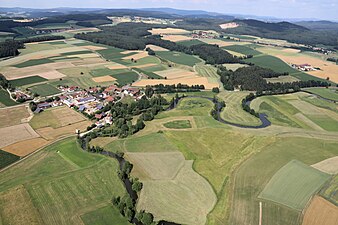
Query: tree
x=215, y=90
x=149, y=91
x=137, y=185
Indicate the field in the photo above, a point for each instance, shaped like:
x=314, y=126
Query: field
x=176, y=38
x=13, y=116
x=22, y=132
x=321, y=212
x=293, y=185
x=156, y=31
x=107, y=215
x=7, y=158
x=179, y=58
x=27, y=80
x=126, y=78
x=329, y=191
x=329, y=166
x=75, y=182
x=242, y=49
x=233, y=111
x=45, y=90
x=324, y=92
x=189, y=43
x=178, y=124
x=5, y=99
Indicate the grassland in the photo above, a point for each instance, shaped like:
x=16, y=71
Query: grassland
x=27, y=80
x=5, y=98
x=179, y=58
x=13, y=116
x=126, y=78
x=190, y=42
x=245, y=50
x=293, y=185
x=63, y=183
x=45, y=90
x=329, y=190
x=33, y=62
x=107, y=215
x=325, y=92
x=7, y=158
x=178, y=124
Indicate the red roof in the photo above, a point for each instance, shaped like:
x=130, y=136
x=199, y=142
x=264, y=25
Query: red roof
x=110, y=99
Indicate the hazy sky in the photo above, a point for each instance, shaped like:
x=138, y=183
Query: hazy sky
x=322, y=9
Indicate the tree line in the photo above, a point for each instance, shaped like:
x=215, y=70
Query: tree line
x=161, y=88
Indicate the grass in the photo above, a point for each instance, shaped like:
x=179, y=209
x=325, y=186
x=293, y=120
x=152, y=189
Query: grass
x=27, y=81
x=325, y=92
x=76, y=53
x=329, y=191
x=178, y=124
x=5, y=98
x=7, y=159
x=64, y=187
x=45, y=90
x=254, y=174
x=33, y=62
x=294, y=184
x=233, y=111
x=148, y=73
x=242, y=49
x=206, y=70
x=101, y=72
x=13, y=116
x=325, y=122
x=190, y=42
x=107, y=215
x=179, y=58
x=126, y=78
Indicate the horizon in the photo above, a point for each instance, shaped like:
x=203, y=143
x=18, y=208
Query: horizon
x=287, y=9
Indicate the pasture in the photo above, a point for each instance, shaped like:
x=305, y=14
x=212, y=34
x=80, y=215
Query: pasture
x=242, y=49
x=45, y=90
x=179, y=58
x=5, y=99
x=126, y=77
x=107, y=215
x=178, y=124
x=63, y=174
x=329, y=93
x=293, y=185
x=189, y=43
x=320, y=212
x=7, y=159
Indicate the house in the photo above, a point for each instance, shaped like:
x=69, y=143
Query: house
x=57, y=103
x=100, y=116
x=44, y=105
x=82, y=108
x=110, y=99
x=84, y=100
x=38, y=110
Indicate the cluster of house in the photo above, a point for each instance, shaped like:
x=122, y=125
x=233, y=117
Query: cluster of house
x=92, y=100
x=204, y=34
x=18, y=94
x=304, y=67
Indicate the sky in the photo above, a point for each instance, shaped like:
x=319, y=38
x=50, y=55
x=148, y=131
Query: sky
x=320, y=9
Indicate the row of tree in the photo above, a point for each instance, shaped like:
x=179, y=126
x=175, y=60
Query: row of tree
x=161, y=88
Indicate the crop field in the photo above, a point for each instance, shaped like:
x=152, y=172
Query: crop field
x=7, y=159
x=63, y=174
x=233, y=111
x=104, y=79
x=282, y=79
x=320, y=212
x=126, y=78
x=33, y=62
x=5, y=99
x=22, y=132
x=27, y=81
x=234, y=66
x=13, y=116
x=45, y=90
x=293, y=185
x=107, y=215
x=329, y=191
x=325, y=92
x=23, y=148
x=148, y=74
x=251, y=178
x=156, y=31
x=179, y=58
x=189, y=43
x=242, y=49
x=178, y=124
x=176, y=38
x=329, y=166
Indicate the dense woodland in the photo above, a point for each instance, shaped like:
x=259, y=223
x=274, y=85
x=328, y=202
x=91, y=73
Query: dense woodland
x=252, y=79
x=161, y=89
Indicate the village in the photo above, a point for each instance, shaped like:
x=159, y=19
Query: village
x=90, y=102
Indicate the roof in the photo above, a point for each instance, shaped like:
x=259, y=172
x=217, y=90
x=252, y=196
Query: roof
x=44, y=104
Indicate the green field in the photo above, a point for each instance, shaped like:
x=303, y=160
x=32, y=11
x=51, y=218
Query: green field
x=27, y=81
x=7, y=159
x=329, y=191
x=102, y=72
x=151, y=75
x=178, y=124
x=126, y=78
x=63, y=182
x=45, y=90
x=179, y=58
x=107, y=215
x=294, y=184
x=5, y=98
x=325, y=92
x=33, y=62
x=242, y=49
x=190, y=42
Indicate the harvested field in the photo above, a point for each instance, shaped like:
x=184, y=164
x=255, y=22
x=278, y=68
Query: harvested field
x=22, y=132
x=13, y=116
x=221, y=43
x=329, y=166
x=189, y=81
x=129, y=52
x=156, y=48
x=156, y=31
x=321, y=212
x=157, y=165
x=116, y=67
x=294, y=184
x=103, y=79
x=108, y=215
x=145, y=65
x=172, y=74
x=23, y=148
x=137, y=56
x=188, y=198
x=176, y=38
x=50, y=133
x=16, y=208
x=94, y=48
x=225, y=26
x=234, y=66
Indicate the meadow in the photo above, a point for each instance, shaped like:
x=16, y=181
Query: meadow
x=329, y=93
x=245, y=50
x=5, y=99
x=179, y=58
x=45, y=90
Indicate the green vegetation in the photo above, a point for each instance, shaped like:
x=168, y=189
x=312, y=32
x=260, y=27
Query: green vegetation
x=243, y=50
x=7, y=159
x=149, y=74
x=325, y=92
x=179, y=58
x=178, y=124
x=5, y=98
x=126, y=78
x=102, y=72
x=33, y=62
x=45, y=90
x=76, y=53
x=75, y=181
x=27, y=80
x=107, y=215
x=329, y=191
x=190, y=42
x=294, y=184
